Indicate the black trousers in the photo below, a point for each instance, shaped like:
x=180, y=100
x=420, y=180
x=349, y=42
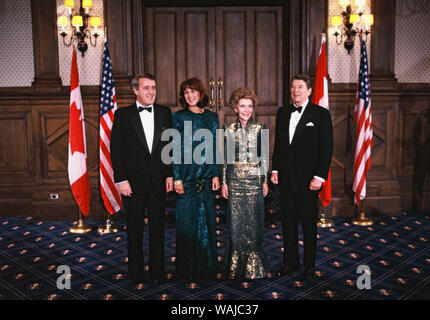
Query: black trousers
x=297, y=208
x=135, y=206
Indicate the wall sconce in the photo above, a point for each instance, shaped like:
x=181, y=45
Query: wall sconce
x=79, y=25
x=354, y=20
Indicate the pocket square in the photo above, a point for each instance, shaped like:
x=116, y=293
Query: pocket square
x=309, y=124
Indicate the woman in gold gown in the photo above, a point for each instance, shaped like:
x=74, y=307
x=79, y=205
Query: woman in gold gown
x=245, y=186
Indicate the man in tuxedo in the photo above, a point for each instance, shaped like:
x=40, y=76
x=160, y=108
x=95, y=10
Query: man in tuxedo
x=300, y=163
x=142, y=177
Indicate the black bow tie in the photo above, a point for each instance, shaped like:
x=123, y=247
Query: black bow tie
x=294, y=108
x=149, y=109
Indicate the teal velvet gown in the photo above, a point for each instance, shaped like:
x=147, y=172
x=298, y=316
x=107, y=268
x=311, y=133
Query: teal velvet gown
x=196, y=250
x=244, y=256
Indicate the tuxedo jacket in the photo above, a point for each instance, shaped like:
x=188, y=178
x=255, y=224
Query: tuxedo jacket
x=310, y=151
x=131, y=158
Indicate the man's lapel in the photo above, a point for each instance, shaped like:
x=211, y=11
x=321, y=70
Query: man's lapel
x=138, y=128
x=288, y=115
x=157, y=126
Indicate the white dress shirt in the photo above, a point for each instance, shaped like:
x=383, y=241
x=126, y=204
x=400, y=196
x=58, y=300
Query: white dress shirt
x=295, y=118
x=147, y=119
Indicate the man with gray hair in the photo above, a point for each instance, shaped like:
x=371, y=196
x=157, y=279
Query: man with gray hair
x=142, y=177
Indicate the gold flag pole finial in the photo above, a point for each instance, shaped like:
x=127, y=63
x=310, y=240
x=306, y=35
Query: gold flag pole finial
x=323, y=222
x=362, y=220
x=80, y=227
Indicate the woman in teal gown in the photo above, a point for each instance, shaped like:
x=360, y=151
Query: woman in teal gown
x=245, y=186
x=195, y=177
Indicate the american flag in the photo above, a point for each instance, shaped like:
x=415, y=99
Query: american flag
x=363, y=123
x=108, y=106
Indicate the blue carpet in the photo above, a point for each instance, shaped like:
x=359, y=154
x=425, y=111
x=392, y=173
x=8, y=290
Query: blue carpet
x=396, y=249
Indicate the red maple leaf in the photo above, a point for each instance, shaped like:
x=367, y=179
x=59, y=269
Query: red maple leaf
x=76, y=136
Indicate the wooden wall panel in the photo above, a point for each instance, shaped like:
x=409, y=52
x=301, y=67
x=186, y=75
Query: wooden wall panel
x=54, y=127
x=179, y=45
x=267, y=60
x=196, y=25
x=414, y=148
x=17, y=167
x=16, y=143
x=231, y=50
x=165, y=56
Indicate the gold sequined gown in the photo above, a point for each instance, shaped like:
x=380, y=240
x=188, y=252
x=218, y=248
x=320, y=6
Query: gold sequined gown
x=244, y=256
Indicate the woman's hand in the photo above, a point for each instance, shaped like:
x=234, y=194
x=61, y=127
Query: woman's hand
x=224, y=191
x=169, y=184
x=265, y=189
x=215, y=183
x=179, y=187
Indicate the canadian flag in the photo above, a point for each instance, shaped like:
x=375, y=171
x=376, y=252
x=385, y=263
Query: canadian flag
x=78, y=172
x=320, y=97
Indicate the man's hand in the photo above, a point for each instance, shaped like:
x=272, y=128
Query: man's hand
x=315, y=184
x=125, y=188
x=224, y=191
x=169, y=184
x=274, y=178
x=215, y=183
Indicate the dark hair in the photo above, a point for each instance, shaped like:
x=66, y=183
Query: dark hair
x=195, y=84
x=242, y=93
x=304, y=77
x=134, y=84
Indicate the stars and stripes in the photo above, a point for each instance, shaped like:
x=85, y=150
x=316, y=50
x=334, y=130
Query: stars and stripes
x=108, y=106
x=364, y=131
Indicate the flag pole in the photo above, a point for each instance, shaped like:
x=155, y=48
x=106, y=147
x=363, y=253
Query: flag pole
x=362, y=220
x=80, y=227
x=324, y=222
x=109, y=226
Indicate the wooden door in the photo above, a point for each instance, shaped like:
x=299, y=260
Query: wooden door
x=249, y=53
x=179, y=44
x=241, y=46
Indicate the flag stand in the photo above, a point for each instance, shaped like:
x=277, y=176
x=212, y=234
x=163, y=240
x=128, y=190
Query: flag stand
x=362, y=220
x=323, y=222
x=80, y=227
x=109, y=227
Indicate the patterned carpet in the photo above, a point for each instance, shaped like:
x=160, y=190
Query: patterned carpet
x=396, y=249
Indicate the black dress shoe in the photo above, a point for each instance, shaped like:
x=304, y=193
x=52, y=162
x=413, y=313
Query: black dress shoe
x=286, y=270
x=308, y=274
